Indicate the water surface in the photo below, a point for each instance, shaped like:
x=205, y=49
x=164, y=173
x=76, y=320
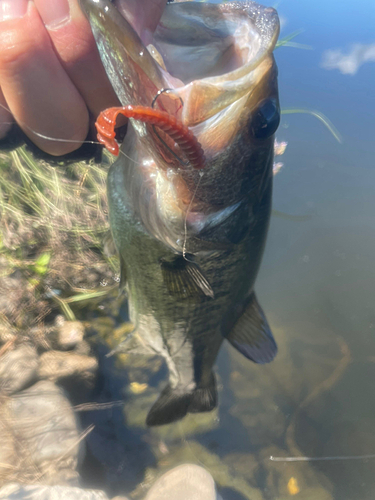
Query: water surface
x=304, y=426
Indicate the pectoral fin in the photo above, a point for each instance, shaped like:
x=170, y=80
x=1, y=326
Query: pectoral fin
x=252, y=335
x=184, y=278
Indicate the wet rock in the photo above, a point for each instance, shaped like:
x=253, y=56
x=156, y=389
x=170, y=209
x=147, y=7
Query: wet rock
x=75, y=372
x=83, y=348
x=223, y=475
x=55, y=365
x=184, y=483
x=8, y=456
x=70, y=333
x=18, y=369
x=42, y=436
x=37, y=492
x=245, y=464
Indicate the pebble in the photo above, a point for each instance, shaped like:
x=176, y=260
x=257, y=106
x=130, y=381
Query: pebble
x=42, y=421
x=70, y=333
x=185, y=482
x=18, y=368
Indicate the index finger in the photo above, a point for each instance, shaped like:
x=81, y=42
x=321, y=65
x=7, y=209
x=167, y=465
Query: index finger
x=40, y=95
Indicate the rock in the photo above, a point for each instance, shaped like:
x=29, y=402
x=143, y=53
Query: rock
x=223, y=475
x=245, y=464
x=83, y=348
x=184, y=483
x=75, y=372
x=16, y=491
x=42, y=435
x=6, y=334
x=8, y=455
x=70, y=334
x=55, y=365
x=18, y=369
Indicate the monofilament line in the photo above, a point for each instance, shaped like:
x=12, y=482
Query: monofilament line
x=317, y=459
x=71, y=141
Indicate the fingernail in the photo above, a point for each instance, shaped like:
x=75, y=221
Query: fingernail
x=53, y=12
x=12, y=9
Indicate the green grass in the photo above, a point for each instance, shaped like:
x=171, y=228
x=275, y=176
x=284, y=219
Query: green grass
x=53, y=219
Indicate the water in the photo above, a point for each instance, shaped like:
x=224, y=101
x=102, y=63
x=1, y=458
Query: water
x=317, y=281
x=303, y=426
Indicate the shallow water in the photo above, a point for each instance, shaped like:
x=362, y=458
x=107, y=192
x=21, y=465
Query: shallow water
x=304, y=426
x=317, y=282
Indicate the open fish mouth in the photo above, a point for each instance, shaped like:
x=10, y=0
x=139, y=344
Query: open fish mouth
x=209, y=67
x=211, y=55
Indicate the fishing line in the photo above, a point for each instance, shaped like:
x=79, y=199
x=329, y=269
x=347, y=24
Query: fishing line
x=42, y=136
x=317, y=459
x=49, y=138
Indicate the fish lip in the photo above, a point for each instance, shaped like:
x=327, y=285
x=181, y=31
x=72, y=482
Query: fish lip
x=205, y=97
x=137, y=78
x=123, y=53
x=264, y=19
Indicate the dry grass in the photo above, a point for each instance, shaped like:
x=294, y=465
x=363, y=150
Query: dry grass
x=53, y=220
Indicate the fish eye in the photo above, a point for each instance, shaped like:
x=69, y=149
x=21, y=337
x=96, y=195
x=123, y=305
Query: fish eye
x=266, y=119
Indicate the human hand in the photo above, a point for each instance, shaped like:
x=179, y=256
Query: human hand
x=51, y=76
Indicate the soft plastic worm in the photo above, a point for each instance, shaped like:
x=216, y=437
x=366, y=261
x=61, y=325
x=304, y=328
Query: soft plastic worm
x=183, y=137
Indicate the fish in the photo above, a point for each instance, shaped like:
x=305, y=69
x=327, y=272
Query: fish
x=190, y=216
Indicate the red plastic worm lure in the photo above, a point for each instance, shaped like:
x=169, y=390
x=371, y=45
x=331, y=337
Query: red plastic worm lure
x=183, y=137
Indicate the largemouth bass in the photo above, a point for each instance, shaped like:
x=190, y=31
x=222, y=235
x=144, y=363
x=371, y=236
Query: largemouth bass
x=191, y=230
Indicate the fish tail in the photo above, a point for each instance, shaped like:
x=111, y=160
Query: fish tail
x=174, y=404
x=204, y=398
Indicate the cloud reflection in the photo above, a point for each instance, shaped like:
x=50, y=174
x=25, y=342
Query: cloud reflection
x=350, y=62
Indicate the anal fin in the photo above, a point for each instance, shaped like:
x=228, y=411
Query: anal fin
x=184, y=278
x=252, y=336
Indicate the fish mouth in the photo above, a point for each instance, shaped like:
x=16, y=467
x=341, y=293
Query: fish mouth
x=211, y=55
x=217, y=61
